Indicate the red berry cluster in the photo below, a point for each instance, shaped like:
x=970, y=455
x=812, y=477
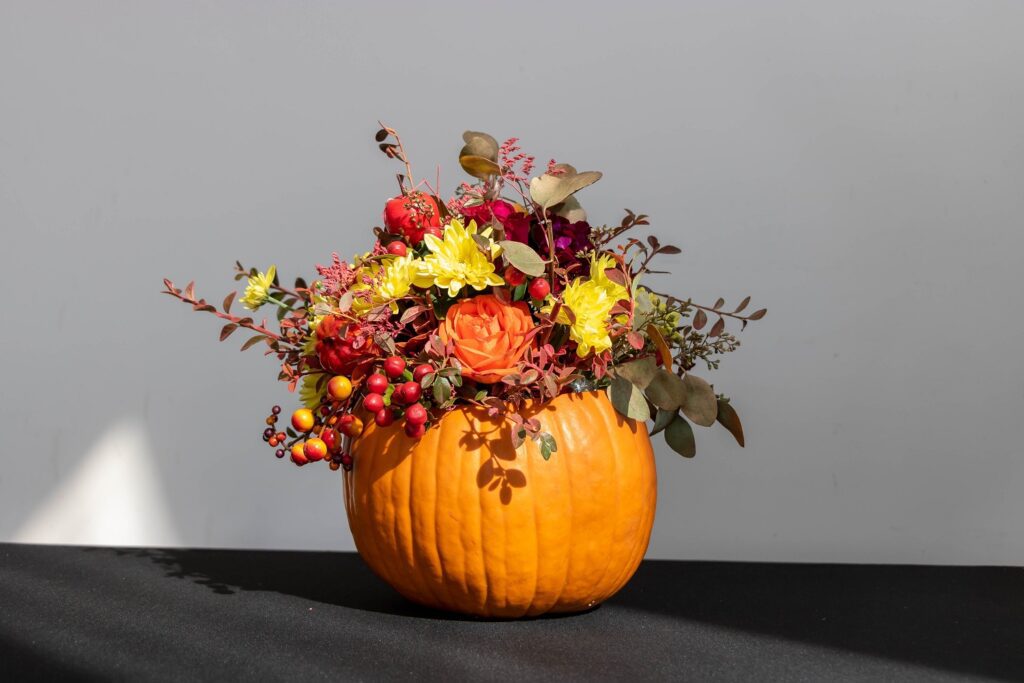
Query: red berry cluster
x=323, y=434
x=399, y=387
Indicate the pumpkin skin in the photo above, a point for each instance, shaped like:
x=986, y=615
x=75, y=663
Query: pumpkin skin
x=562, y=536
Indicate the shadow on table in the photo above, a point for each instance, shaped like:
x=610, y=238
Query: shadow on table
x=340, y=579
x=968, y=620
x=961, y=619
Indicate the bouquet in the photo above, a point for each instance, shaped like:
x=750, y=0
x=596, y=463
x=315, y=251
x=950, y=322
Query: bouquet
x=503, y=294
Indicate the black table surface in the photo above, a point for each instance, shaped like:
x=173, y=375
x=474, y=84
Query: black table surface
x=143, y=614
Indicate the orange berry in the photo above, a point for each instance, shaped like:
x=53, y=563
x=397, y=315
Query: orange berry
x=339, y=388
x=298, y=454
x=302, y=419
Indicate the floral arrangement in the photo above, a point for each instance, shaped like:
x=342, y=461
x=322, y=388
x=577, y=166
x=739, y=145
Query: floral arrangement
x=503, y=294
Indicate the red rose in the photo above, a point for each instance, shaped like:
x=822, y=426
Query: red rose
x=412, y=215
x=341, y=347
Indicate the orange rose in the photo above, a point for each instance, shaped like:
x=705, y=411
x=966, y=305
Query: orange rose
x=489, y=336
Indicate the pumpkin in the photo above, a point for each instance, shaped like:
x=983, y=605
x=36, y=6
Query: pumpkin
x=460, y=520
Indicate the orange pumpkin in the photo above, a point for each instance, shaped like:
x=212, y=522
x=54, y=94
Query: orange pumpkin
x=460, y=520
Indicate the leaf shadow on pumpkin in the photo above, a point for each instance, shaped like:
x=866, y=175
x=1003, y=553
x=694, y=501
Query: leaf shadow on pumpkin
x=496, y=443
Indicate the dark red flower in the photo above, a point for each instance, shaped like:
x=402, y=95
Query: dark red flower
x=341, y=347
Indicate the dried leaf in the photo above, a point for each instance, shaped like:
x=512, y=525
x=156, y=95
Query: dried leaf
x=700, y=319
x=228, y=300
x=226, y=331
x=252, y=341
x=757, y=315
x=381, y=135
x=719, y=303
x=743, y=304
x=635, y=340
x=730, y=420
x=659, y=343
x=717, y=328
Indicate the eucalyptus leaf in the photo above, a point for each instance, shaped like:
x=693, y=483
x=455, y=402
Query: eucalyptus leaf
x=523, y=258
x=478, y=166
x=666, y=390
x=571, y=210
x=479, y=144
x=549, y=190
x=679, y=437
x=700, y=404
x=662, y=420
x=628, y=399
x=639, y=372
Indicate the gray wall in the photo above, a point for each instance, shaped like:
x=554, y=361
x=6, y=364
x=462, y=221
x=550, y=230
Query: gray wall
x=858, y=167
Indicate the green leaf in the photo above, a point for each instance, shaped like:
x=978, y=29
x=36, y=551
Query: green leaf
x=522, y=257
x=519, y=292
x=700, y=404
x=662, y=420
x=548, y=445
x=628, y=399
x=639, y=372
x=679, y=437
x=442, y=391
x=730, y=420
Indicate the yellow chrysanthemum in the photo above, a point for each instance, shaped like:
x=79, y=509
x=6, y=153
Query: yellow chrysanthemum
x=399, y=274
x=455, y=261
x=591, y=308
x=257, y=291
x=591, y=302
x=598, y=266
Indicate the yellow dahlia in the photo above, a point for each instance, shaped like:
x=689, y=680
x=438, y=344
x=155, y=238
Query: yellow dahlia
x=455, y=261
